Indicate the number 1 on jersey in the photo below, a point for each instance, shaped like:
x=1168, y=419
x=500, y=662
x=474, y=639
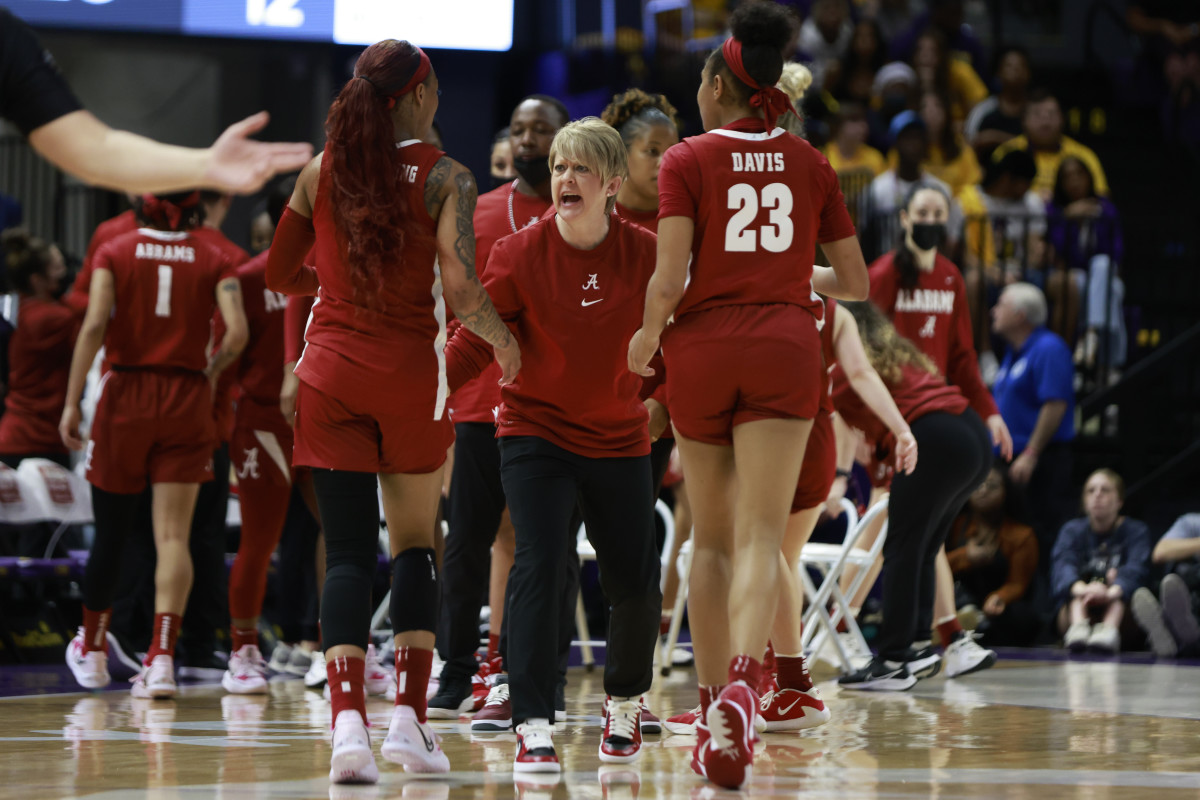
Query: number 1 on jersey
x=775, y=237
x=162, y=307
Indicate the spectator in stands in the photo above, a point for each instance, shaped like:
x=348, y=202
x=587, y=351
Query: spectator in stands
x=1044, y=139
x=39, y=351
x=949, y=159
x=999, y=118
x=502, y=167
x=895, y=17
x=894, y=90
x=939, y=72
x=1084, y=230
x=1035, y=393
x=910, y=141
x=1167, y=27
x=994, y=558
x=854, y=76
x=1170, y=620
x=946, y=18
x=825, y=38
x=1098, y=562
x=848, y=151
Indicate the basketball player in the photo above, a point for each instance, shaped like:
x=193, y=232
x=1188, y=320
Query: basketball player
x=391, y=219
x=153, y=420
x=956, y=456
x=745, y=203
x=573, y=432
x=923, y=293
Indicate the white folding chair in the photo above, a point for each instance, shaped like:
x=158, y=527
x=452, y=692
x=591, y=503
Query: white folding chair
x=683, y=565
x=56, y=494
x=588, y=553
x=831, y=560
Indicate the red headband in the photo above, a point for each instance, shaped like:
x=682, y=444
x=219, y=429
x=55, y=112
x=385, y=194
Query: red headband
x=771, y=99
x=419, y=76
x=164, y=213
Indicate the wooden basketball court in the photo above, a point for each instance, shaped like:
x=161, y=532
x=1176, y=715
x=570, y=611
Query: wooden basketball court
x=1037, y=729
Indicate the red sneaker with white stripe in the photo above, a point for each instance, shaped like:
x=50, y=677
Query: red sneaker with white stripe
x=684, y=724
x=728, y=760
x=793, y=710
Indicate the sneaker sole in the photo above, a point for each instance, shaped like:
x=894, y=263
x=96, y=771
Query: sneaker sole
x=415, y=761
x=652, y=727
x=887, y=685
x=235, y=687
x=925, y=667
x=680, y=728
x=1149, y=615
x=729, y=716
x=353, y=766
x=812, y=718
x=537, y=766
x=986, y=663
x=491, y=726
x=609, y=758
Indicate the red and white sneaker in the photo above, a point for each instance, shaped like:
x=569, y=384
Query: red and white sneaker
x=698, y=752
x=247, y=672
x=413, y=744
x=622, y=740
x=535, y=747
x=377, y=679
x=352, y=760
x=728, y=760
x=650, y=722
x=156, y=681
x=496, y=714
x=683, y=724
x=481, y=682
x=792, y=710
x=90, y=669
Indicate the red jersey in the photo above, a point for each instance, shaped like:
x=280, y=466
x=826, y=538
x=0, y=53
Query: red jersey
x=259, y=371
x=761, y=202
x=124, y=222
x=918, y=393
x=573, y=312
x=165, y=287
x=478, y=400
x=935, y=316
x=39, y=364
x=647, y=219
x=394, y=345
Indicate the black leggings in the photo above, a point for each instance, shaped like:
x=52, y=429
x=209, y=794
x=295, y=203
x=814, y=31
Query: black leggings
x=955, y=456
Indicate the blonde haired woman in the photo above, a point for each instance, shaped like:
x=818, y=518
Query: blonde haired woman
x=573, y=431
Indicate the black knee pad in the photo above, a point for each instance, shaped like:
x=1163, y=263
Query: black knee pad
x=414, y=590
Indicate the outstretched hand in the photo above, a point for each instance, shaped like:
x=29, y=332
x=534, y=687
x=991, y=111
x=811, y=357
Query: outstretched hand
x=236, y=163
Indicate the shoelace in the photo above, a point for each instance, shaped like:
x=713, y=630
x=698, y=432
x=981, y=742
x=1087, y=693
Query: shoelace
x=536, y=737
x=766, y=700
x=497, y=695
x=623, y=718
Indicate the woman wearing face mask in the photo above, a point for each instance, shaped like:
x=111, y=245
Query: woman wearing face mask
x=924, y=296
x=39, y=351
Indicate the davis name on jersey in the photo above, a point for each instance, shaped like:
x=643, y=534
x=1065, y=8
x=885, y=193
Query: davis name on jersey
x=757, y=162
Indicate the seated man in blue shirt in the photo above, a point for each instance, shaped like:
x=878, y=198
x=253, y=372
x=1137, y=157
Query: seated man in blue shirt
x=1035, y=393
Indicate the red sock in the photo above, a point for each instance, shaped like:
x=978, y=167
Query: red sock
x=243, y=637
x=707, y=695
x=493, y=646
x=346, y=690
x=95, y=629
x=412, y=678
x=166, y=628
x=664, y=625
x=949, y=630
x=768, y=662
x=747, y=670
x=793, y=673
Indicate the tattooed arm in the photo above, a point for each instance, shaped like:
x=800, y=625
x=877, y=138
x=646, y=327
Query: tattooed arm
x=237, y=329
x=450, y=196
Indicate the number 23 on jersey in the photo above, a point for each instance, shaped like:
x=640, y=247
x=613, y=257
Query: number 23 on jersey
x=776, y=236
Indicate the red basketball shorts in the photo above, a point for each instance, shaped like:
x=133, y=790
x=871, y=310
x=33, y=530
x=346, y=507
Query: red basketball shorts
x=261, y=448
x=819, y=467
x=345, y=435
x=151, y=426
x=736, y=364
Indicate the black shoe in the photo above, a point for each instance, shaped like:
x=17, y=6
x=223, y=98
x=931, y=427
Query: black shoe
x=202, y=667
x=923, y=663
x=879, y=676
x=453, y=698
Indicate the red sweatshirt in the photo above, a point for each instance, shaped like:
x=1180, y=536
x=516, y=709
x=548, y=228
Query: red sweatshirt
x=935, y=316
x=573, y=312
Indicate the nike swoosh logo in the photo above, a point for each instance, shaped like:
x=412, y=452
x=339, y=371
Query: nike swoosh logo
x=586, y=303
x=784, y=711
x=426, y=739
